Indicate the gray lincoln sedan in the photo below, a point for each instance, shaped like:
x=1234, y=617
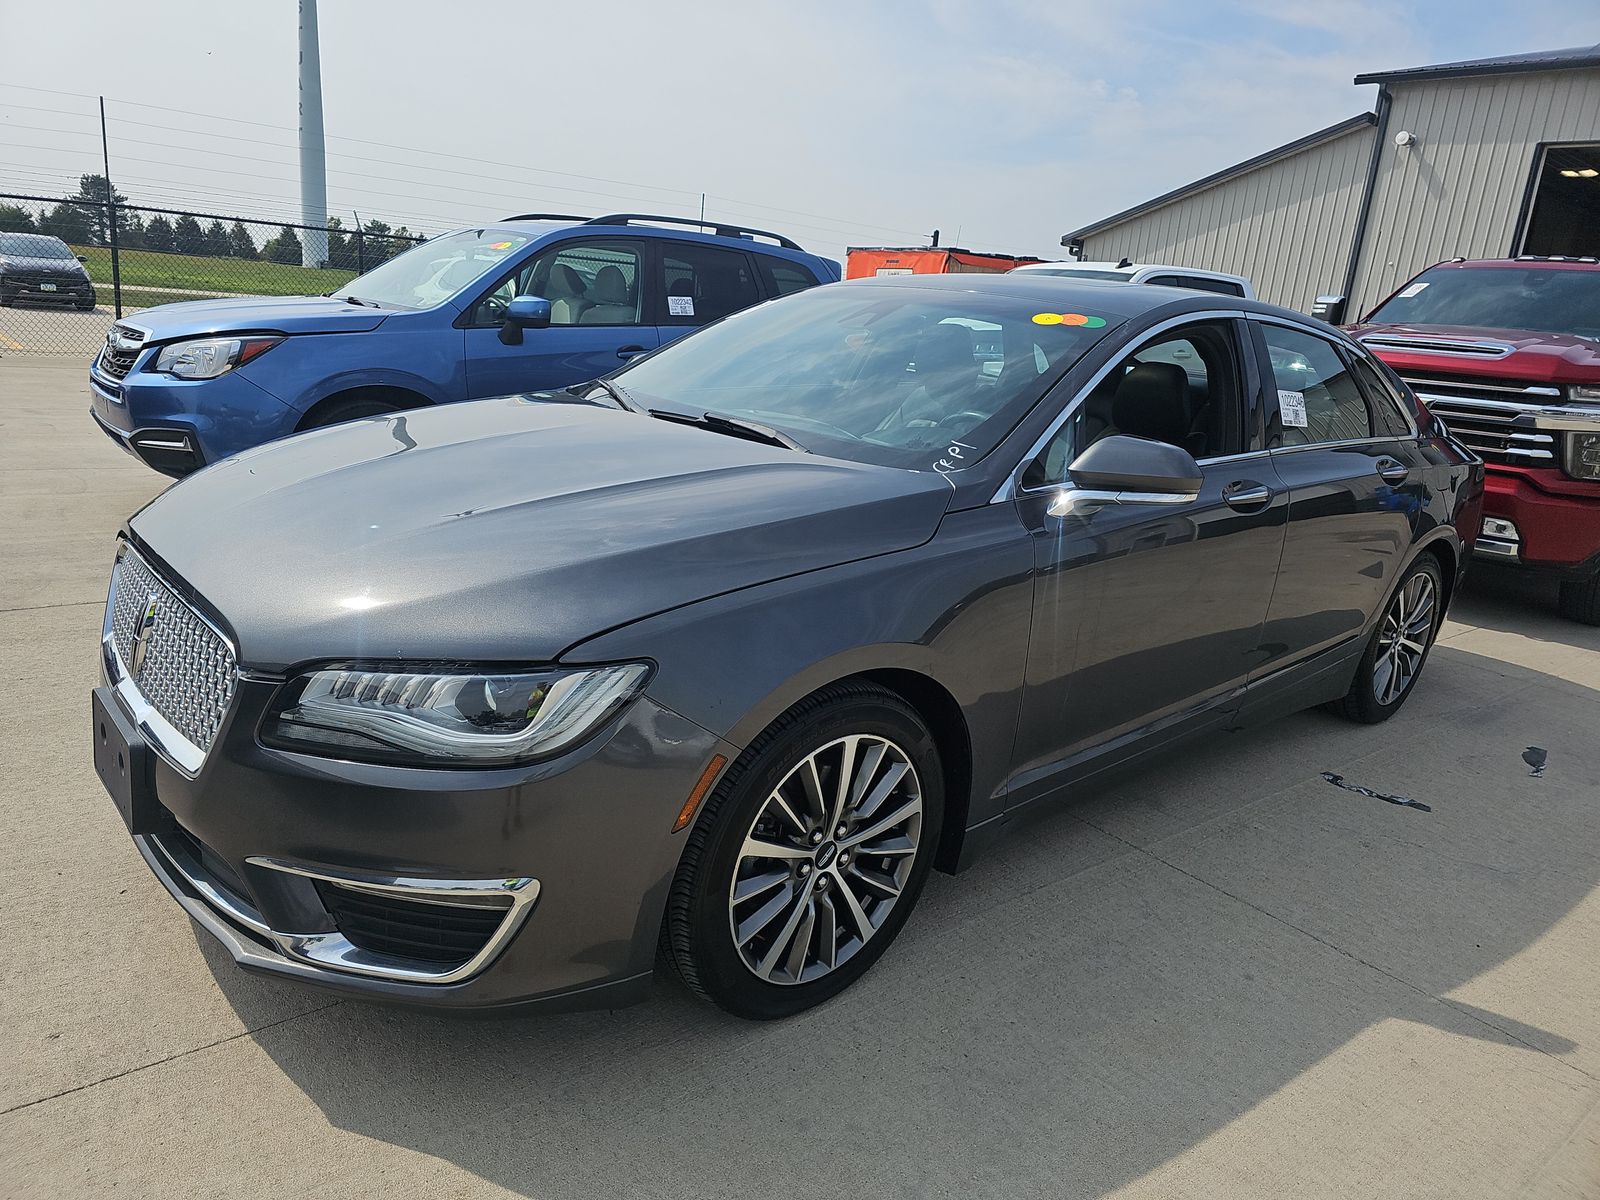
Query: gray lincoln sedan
x=708, y=663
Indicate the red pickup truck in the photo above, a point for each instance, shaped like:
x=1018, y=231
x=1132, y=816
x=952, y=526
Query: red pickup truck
x=1506, y=352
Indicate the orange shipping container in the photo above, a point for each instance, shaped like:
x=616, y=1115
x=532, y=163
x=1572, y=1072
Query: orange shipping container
x=861, y=262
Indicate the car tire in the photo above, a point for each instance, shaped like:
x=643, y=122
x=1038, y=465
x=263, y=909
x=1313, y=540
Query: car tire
x=1390, y=669
x=1579, y=600
x=804, y=938
x=353, y=409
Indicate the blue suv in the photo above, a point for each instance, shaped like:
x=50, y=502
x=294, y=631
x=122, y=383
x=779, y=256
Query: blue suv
x=533, y=302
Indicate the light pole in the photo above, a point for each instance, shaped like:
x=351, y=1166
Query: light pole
x=313, y=151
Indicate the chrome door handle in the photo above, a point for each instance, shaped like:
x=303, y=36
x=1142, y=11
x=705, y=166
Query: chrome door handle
x=1392, y=472
x=1247, y=496
x=628, y=352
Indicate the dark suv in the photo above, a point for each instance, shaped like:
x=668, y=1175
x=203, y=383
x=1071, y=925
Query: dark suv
x=36, y=268
x=533, y=302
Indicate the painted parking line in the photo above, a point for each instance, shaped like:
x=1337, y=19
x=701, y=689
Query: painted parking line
x=11, y=345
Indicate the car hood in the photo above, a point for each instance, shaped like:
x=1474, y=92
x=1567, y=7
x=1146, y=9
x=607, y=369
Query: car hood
x=27, y=265
x=256, y=314
x=508, y=530
x=1535, y=356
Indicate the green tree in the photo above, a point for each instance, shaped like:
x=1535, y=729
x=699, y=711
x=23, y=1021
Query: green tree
x=158, y=234
x=188, y=237
x=14, y=219
x=217, y=241
x=69, y=222
x=96, y=190
x=240, y=243
x=341, y=250
x=285, y=248
x=130, y=230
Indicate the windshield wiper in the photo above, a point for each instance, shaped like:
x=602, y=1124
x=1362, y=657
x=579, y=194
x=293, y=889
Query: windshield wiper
x=750, y=431
x=361, y=302
x=581, y=390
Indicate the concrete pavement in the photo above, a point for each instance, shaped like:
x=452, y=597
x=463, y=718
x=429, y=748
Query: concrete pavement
x=1225, y=977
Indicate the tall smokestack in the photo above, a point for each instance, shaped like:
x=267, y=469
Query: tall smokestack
x=313, y=152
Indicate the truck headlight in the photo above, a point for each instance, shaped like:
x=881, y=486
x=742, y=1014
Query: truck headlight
x=206, y=358
x=1583, y=393
x=1583, y=456
x=448, y=717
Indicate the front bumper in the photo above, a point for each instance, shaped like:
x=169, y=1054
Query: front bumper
x=29, y=291
x=1550, y=525
x=177, y=426
x=575, y=855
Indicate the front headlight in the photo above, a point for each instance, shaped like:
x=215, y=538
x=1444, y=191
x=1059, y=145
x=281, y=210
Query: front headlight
x=1584, y=393
x=448, y=717
x=206, y=358
x=1583, y=456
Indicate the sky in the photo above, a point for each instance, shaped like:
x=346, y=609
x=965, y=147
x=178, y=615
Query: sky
x=1002, y=123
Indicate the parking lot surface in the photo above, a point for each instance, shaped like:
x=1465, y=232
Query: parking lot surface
x=1223, y=977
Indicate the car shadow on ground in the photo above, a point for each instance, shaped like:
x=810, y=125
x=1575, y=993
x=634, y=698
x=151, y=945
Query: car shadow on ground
x=1111, y=986
x=1505, y=598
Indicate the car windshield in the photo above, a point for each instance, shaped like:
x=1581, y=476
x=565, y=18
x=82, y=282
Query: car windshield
x=34, y=245
x=1540, y=299
x=925, y=379
x=433, y=272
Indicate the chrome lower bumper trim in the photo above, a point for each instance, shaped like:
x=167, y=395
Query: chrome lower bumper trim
x=332, y=951
x=1496, y=548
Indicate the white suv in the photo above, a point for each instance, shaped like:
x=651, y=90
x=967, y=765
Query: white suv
x=1157, y=273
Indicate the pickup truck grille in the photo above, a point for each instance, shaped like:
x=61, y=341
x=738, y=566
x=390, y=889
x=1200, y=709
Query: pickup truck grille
x=1492, y=419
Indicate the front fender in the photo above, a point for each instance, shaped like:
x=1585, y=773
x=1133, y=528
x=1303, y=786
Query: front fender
x=956, y=610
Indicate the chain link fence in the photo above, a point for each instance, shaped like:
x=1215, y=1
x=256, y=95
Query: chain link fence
x=68, y=268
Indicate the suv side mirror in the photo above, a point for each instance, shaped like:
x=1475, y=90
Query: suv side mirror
x=81, y=258
x=524, y=312
x=1329, y=308
x=1128, y=470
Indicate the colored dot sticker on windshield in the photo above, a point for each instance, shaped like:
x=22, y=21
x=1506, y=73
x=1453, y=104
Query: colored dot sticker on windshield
x=499, y=245
x=1077, y=319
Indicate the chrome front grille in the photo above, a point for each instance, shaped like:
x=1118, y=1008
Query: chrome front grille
x=1496, y=421
x=186, y=670
x=121, y=350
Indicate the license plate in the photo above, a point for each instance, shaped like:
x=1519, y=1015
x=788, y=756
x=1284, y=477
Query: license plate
x=47, y=287
x=122, y=760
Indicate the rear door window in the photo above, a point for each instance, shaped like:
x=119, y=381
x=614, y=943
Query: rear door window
x=704, y=283
x=782, y=276
x=1389, y=405
x=1318, y=399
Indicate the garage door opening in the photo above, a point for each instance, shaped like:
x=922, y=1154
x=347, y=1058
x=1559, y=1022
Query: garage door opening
x=1565, y=216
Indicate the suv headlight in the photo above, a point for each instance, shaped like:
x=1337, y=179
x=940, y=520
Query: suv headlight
x=448, y=717
x=206, y=358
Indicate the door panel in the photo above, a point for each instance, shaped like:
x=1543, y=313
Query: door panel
x=1146, y=618
x=1349, y=531
x=1354, y=494
x=597, y=288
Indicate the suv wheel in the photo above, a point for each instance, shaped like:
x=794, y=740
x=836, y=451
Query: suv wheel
x=809, y=855
x=1579, y=600
x=1399, y=646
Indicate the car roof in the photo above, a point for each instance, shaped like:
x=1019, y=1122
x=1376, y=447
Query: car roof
x=546, y=227
x=1130, y=269
x=1060, y=292
x=1536, y=261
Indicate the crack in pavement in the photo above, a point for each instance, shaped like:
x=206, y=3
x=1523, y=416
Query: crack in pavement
x=233, y=1037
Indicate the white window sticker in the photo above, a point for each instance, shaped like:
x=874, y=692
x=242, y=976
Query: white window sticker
x=680, y=306
x=1292, y=407
x=1414, y=290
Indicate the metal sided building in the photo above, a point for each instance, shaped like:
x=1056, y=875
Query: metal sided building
x=1484, y=159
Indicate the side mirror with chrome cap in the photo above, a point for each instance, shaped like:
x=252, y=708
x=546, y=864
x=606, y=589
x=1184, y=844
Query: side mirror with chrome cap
x=1127, y=470
x=524, y=312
